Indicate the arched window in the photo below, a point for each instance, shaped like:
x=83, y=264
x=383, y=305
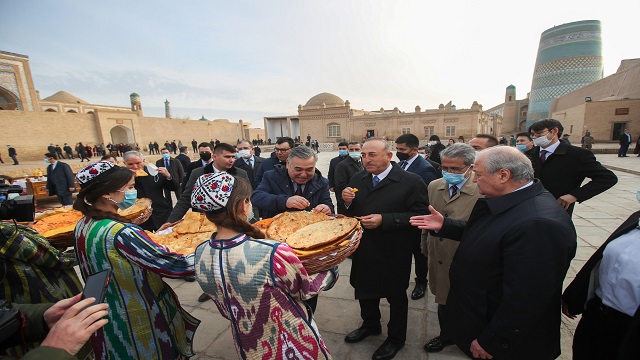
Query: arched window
x=72, y=111
x=50, y=110
x=333, y=130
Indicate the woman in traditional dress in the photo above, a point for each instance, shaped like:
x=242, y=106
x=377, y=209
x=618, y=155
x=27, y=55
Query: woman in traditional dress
x=259, y=285
x=146, y=320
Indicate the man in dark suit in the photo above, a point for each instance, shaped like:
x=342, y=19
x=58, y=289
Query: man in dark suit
x=278, y=158
x=407, y=153
x=436, y=146
x=51, y=149
x=59, y=152
x=562, y=168
x=59, y=179
x=205, y=150
x=387, y=197
x=184, y=159
x=345, y=171
x=605, y=292
x=425, y=152
x=248, y=161
x=342, y=154
x=625, y=141
x=67, y=149
x=175, y=169
x=506, y=276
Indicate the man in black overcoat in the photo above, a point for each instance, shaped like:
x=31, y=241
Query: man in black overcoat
x=387, y=197
x=60, y=180
x=506, y=276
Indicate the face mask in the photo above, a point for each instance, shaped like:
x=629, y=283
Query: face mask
x=542, y=141
x=166, y=156
x=453, y=179
x=130, y=197
x=402, y=156
x=47, y=160
x=244, y=153
x=431, y=143
x=342, y=152
x=236, y=156
x=152, y=169
x=424, y=156
x=205, y=156
x=521, y=147
x=355, y=154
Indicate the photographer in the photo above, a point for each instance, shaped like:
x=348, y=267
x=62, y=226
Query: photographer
x=66, y=324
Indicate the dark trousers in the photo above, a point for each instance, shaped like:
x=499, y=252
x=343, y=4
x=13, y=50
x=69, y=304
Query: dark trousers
x=623, y=150
x=398, y=307
x=421, y=262
x=70, y=155
x=65, y=199
x=441, y=309
x=599, y=332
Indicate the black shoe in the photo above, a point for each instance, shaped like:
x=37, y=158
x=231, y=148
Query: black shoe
x=361, y=333
x=190, y=279
x=204, y=297
x=419, y=291
x=387, y=350
x=436, y=344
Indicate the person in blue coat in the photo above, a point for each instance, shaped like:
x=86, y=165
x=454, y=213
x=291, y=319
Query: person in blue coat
x=59, y=179
x=296, y=186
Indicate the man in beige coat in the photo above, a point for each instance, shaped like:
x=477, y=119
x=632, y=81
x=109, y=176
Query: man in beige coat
x=454, y=196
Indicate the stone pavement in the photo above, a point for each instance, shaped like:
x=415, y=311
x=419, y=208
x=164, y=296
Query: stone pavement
x=338, y=312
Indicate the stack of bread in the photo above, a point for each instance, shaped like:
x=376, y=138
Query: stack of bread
x=184, y=237
x=320, y=241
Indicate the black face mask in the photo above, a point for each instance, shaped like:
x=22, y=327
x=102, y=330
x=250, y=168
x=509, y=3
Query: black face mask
x=402, y=156
x=205, y=156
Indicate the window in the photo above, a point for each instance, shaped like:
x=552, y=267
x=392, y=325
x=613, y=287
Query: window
x=428, y=131
x=622, y=111
x=406, y=131
x=450, y=131
x=334, y=130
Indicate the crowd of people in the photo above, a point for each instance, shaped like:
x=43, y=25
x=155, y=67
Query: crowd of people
x=488, y=227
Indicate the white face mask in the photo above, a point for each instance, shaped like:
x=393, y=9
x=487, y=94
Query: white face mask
x=542, y=141
x=152, y=169
x=244, y=153
x=424, y=156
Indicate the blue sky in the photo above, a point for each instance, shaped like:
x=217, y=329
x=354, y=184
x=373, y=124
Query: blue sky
x=249, y=59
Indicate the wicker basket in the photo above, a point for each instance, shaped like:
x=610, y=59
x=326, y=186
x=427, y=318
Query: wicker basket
x=331, y=256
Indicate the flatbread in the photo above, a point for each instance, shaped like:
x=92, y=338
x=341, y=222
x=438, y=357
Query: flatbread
x=190, y=224
x=135, y=210
x=289, y=222
x=321, y=233
x=60, y=224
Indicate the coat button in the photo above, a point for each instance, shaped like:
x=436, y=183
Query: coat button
x=440, y=262
x=505, y=345
x=446, y=215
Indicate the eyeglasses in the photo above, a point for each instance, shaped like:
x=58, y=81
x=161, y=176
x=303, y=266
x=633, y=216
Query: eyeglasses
x=455, y=170
x=281, y=150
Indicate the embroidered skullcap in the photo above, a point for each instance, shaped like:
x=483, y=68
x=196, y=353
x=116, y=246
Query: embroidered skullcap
x=92, y=171
x=212, y=191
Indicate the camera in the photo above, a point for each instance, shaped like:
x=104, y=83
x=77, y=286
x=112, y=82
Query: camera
x=20, y=208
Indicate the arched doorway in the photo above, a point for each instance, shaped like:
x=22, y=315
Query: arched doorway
x=8, y=100
x=121, y=134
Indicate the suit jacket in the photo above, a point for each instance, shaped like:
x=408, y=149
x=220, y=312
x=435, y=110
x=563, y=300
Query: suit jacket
x=441, y=250
x=184, y=161
x=60, y=180
x=424, y=169
x=192, y=166
x=251, y=172
x=343, y=173
x=506, y=276
x=436, y=166
x=267, y=164
x=276, y=187
x=381, y=265
x=153, y=187
x=435, y=152
x=582, y=289
x=184, y=202
x=332, y=168
x=175, y=168
x=625, y=139
x=564, y=171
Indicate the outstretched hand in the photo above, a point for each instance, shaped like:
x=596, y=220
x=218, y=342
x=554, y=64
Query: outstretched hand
x=433, y=221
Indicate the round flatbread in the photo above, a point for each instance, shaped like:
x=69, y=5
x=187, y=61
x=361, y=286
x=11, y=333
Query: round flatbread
x=289, y=222
x=321, y=233
x=135, y=210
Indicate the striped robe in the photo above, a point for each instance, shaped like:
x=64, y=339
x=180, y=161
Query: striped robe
x=146, y=320
x=259, y=286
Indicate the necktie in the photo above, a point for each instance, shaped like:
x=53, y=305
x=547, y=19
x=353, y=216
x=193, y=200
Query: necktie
x=403, y=163
x=376, y=180
x=360, y=165
x=454, y=191
x=543, y=156
x=299, y=190
x=250, y=163
x=166, y=164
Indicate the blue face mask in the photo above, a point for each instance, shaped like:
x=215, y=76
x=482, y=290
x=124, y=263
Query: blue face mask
x=166, y=156
x=236, y=156
x=453, y=179
x=47, y=160
x=521, y=147
x=355, y=154
x=342, y=152
x=130, y=197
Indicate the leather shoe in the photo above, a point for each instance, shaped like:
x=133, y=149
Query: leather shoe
x=419, y=291
x=387, y=350
x=190, y=279
x=436, y=344
x=361, y=333
x=203, y=297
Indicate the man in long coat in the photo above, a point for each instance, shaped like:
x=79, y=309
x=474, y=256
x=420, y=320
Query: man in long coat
x=60, y=180
x=387, y=197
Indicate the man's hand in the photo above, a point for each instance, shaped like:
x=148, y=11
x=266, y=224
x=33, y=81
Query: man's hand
x=348, y=195
x=72, y=189
x=478, y=352
x=322, y=208
x=331, y=189
x=165, y=226
x=297, y=202
x=371, y=221
x=565, y=311
x=567, y=200
x=428, y=222
x=163, y=170
x=74, y=326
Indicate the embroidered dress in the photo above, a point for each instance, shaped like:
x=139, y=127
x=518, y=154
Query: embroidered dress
x=259, y=286
x=146, y=320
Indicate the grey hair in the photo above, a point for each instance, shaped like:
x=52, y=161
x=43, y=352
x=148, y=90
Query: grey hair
x=386, y=148
x=506, y=157
x=460, y=151
x=131, y=154
x=302, y=152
